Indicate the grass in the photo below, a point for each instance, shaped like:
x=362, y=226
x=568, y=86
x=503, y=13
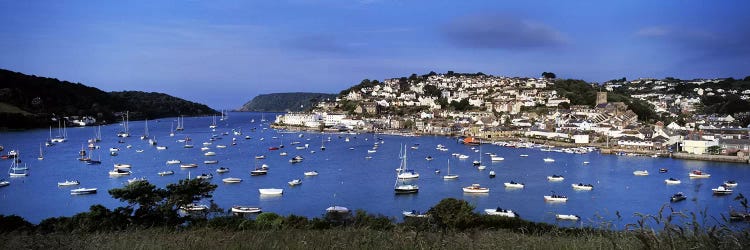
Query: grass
x=205, y=238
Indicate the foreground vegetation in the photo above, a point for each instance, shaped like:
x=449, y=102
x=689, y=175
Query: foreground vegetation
x=152, y=220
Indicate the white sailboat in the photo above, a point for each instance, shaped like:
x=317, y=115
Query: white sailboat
x=449, y=176
x=213, y=124
x=404, y=188
x=126, y=132
x=171, y=130
x=16, y=170
x=145, y=131
x=180, y=123
x=62, y=133
x=41, y=156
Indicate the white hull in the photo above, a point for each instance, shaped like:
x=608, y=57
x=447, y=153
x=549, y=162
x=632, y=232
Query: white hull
x=567, y=217
x=640, y=173
x=245, y=210
x=271, y=191
x=513, y=185
x=79, y=191
x=505, y=213
x=555, y=199
x=231, y=180
x=672, y=182
x=581, y=187
x=553, y=178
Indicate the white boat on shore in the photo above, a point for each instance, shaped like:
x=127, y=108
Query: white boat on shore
x=271, y=191
x=500, y=212
x=79, y=191
x=567, y=217
x=68, y=183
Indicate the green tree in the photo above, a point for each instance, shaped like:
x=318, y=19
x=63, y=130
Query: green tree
x=187, y=191
x=431, y=90
x=714, y=150
x=454, y=213
x=549, y=75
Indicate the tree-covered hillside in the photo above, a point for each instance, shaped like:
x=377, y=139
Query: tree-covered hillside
x=285, y=102
x=28, y=101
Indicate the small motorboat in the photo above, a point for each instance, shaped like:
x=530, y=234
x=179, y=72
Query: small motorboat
x=429, y=158
x=337, y=209
x=476, y=188
x=271, y=191
x=523, y=155
x=730, y=183
x=119, y=172
x=567, y=217
x=173, y=162
x=640, y=172
x=549, y=159
x=260, y=157
x=555, y=178
x=585, y=163
x=122, y=166
x=79, y=191
x=698, y=174
x=190, y=165
x=68, y=183
x=4, y=183
x=501, y=212
x=168, y=172
x=555, y=198
x=222, y=170
x=492, y=173
x=211, y=162
x=311, y=173
x=295, y=182
x=209, y=153
x=722, y=190
x=231, y=180
x=161, y=147
x=258, y=172
x=497, y=158
x=663, y=170
x=677, y=197
x=581, y=186
x=513, y=184
x=296, y=159
x=245, y=210
x=672, y=181
x=205, y=176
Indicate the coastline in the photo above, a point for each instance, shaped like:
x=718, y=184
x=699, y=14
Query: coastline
x=602, y=149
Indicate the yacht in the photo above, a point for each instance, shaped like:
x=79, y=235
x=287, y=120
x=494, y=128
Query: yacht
x=476, y=188
x=698, y=174
x=513, y=184
x=581, y=186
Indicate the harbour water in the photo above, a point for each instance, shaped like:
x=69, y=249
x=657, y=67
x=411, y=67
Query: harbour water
x=347, y=178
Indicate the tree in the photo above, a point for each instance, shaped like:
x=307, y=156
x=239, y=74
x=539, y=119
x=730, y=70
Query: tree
x=431, y=90
x=714, y=150
x=549, y=75
x=454, y=213
x=187, y=191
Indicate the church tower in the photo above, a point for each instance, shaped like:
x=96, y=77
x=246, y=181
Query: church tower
x=601, y=97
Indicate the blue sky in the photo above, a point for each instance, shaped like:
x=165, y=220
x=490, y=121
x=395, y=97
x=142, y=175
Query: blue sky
x=223, y=53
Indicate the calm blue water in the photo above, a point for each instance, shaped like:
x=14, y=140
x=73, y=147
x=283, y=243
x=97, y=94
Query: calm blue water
x=348, y=179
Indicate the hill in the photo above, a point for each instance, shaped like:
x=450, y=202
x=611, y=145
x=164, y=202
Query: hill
x=285, y=102
x=28, y=101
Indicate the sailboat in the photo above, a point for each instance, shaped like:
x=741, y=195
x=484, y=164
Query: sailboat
x=41, y=156
x=82, y=153
x=62, y=133
x=480, y=166
x=125, y=133
x=15, y=168
x=322, y=143
x=180, y=123
x=262, y=117
x=145, y=131
x=171, y=130
x=449, y=176
x=403, y=188
x=223, y=117
x=213, y=124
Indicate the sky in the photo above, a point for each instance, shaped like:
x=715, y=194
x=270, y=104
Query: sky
x=223, y=53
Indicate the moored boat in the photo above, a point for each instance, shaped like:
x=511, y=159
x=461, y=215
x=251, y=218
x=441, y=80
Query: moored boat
x=119, y=172
x=555, y=198
x=78, y=191
x=193, y=207
x=222, y=170
x=500, y=212
x=231, y=180
x=698, y=174
x=640, y=172
x=168, y=172
x=672, y=181
x=475, y=188
x=581, y=186
x=730, y=183
x=311, y=173
x=271, y=191
x=68, y=183
x=555, y=178
x=722, y=190
x=513, y=184
x=677, y=197
x=414, y=214
x=295, y=182
x=189, y=165
x=567, y=217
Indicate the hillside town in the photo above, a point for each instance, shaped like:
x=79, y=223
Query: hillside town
x=514, y=109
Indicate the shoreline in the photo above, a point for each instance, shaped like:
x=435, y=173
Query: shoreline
x=602, y=150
